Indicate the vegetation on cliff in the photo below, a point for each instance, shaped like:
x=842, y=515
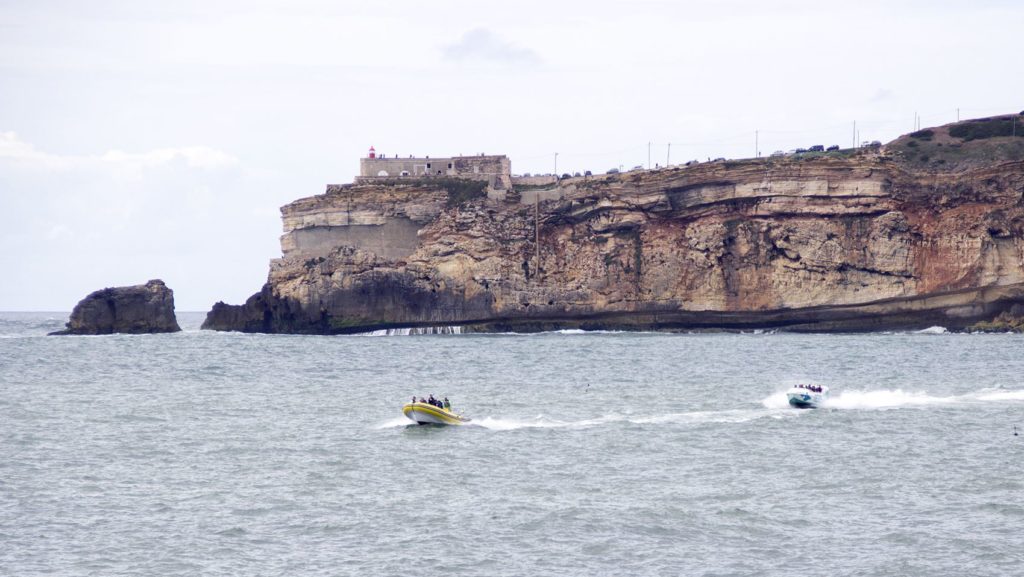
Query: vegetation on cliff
x=962, y=145
x=928, y=230
x=1003, y=323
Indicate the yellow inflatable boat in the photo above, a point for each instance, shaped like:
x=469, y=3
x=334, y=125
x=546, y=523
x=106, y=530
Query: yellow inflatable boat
x=427, y=414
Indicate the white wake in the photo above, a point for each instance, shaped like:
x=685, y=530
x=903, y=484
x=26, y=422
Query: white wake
x=896, y=398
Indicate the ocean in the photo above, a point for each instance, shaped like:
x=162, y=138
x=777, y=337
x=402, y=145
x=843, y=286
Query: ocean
x=203, y=453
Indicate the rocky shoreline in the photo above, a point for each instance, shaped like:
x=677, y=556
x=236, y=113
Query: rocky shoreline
x=856, y=240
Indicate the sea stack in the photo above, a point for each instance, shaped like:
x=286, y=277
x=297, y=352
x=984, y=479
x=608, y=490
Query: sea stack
x=139, y=309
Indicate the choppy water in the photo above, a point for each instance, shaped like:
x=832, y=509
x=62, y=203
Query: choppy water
x=205, y=453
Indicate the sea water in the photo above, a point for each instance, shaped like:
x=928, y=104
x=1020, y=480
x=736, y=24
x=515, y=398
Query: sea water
x=204, y=453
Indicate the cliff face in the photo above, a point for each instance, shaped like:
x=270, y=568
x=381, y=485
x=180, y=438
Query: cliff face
x=138, y=309
x=845, y=241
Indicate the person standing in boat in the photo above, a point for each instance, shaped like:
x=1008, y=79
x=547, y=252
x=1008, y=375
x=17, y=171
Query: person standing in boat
x=447, y=405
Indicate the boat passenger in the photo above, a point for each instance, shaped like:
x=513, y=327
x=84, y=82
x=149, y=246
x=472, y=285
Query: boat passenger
x=447, y=404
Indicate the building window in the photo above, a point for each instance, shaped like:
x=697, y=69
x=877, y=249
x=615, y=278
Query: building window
x=405, y=173
x=428, y=165
x=382, y=173
x=450, y=166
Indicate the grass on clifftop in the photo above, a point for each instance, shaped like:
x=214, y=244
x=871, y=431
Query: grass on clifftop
x=962, y=145
x=987, y=128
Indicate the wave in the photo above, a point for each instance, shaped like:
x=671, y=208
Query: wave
x=543, y=422
x=411, y=331
x=896, y=398
x=1000, y=395
x=774, y=406
x=936, y=330
x=395, y=422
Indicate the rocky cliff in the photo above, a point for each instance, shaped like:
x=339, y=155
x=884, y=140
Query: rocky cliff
x=138, y=309
x=864, y=239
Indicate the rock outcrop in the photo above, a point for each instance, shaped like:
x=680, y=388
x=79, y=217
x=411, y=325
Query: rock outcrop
x=138, y=309
x=868, y=239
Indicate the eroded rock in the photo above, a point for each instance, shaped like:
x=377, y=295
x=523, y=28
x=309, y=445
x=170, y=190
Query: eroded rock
x=850, y=241
x=138, y=309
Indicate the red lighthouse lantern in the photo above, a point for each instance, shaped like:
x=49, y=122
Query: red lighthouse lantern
x=373, y=152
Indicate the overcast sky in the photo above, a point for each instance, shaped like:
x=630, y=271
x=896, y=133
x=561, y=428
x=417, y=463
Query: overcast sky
x=145, y=140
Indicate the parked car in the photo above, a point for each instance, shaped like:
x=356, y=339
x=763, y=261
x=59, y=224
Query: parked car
x=638, y=167
x=588, y=173
x=778, y=153
x=612, y=171
x=566, y=175
x=720, y=158
x=816, y=148
x=692, y=162
x=800, y=151
x=832, y=148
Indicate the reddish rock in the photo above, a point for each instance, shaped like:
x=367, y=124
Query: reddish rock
x=855, y=240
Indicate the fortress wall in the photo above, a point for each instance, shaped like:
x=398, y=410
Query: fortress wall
x=498, y=167
x=496, y=170
x=534, y=180
x=540, y=195
x=371, y=167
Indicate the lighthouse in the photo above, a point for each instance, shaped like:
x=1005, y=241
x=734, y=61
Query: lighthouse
x=373, y=153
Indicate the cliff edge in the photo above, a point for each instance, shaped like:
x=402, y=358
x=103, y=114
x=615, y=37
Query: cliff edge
x=927, y=230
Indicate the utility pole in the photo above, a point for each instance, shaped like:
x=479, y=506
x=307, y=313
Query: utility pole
x=958, y=114
x=556, y=166
x=668, y=155
x=757, y=145
x=648, y=156
x=854, y=134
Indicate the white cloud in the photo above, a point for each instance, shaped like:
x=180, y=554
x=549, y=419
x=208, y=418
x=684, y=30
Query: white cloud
x=137, y=111
x=14, y=148
x=483, y=45
x=194, y=157
x=203, y=157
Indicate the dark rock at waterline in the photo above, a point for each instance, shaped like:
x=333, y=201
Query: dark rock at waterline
x=139, y=309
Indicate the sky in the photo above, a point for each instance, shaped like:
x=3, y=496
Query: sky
x=144, y=140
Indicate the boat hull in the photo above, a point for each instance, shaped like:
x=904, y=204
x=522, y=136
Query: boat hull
x=427, y=414
x=805, y=399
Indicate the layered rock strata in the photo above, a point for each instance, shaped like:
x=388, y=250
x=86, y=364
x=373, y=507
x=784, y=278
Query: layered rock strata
x=138, y=309
x=849, y=241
